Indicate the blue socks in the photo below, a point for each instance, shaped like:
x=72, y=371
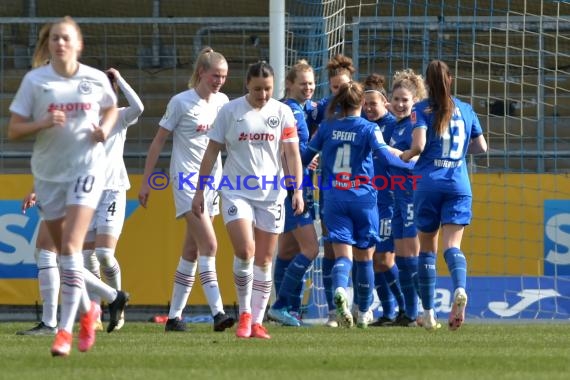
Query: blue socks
x=293, y=277
x=408, y=267
x=427, y=276
x=341, y=273
x=384, y=295
x=364, y=284
x=327, y=281
x=457, y=265
x=392, y=277
x=354, y=278
x=279, y=273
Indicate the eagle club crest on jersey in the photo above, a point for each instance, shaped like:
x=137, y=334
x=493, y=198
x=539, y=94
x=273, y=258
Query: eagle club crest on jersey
x=273, y=121
x=85, y=87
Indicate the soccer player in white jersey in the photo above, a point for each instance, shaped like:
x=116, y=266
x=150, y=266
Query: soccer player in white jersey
x=71, y=108
x=107, y=224
x=189, y=115
x=260, y=138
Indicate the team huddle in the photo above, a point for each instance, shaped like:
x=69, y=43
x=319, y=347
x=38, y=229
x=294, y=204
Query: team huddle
x=381, y=238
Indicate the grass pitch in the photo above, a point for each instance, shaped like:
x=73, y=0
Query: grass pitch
x=144, y=351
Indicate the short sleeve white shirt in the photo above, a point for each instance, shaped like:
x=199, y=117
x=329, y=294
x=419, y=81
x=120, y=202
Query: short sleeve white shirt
x=60, y=154
x=253, y=141
x=189, y=117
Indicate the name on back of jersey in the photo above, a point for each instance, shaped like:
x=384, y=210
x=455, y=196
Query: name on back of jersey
x=343, y=135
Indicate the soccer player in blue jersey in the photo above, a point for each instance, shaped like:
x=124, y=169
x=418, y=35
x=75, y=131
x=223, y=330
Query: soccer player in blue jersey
x=386, y=276
x=339, y=70
x=298, y=244
x=445, y=130
x=407, y=88
x=346, y=142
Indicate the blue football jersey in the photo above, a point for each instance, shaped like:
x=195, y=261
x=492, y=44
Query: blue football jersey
x=300, y=118
x=316, y=112
x=385, y=197
x=402, y=139
x=346, y=147
x=442, y=164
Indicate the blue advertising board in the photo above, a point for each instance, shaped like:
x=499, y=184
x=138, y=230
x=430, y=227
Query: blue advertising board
x=18, y=238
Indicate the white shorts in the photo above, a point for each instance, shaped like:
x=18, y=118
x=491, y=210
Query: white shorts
x=268, y=216
x=54, y=197
x=109, y=216
x=183, y=201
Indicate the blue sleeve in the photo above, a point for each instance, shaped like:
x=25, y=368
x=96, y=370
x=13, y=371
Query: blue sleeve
x=316, y=113
x=308, y=155
x=418, y=118
x=385, y=158
x=313, y=148
x=476, y=129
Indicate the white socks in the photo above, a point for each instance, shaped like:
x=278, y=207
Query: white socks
x=209, y=281
x=49, y=282
x=183, y=282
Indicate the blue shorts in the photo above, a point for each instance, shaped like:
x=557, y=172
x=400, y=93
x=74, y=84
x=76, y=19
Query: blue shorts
x=353, y=223
x=403, y=224
x=293, y=221
x=435, y=208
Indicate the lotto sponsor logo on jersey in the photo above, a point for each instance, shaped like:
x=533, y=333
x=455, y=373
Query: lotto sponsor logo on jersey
x=203, y=128
x=256, y=137
x=69, y=107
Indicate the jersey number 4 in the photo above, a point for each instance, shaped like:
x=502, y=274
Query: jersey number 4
x=342, y=160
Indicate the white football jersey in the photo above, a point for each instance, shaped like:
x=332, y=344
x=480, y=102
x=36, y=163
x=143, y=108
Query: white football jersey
x=60, y=154
x=253, y=141
x=116, y=173
x=189, y=117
